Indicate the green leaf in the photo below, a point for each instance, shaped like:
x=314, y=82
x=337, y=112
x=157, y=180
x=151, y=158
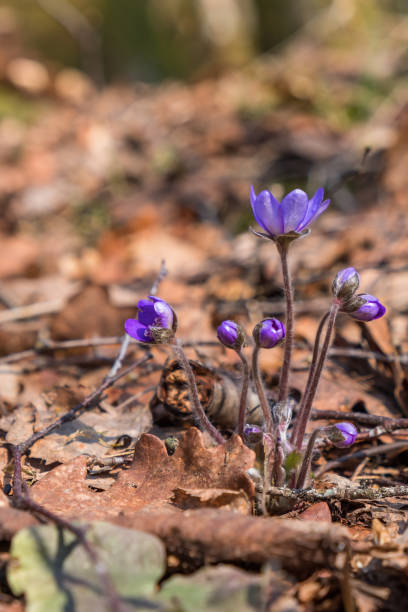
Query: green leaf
x=214, y=589
x=292, y=461
x=55, y=574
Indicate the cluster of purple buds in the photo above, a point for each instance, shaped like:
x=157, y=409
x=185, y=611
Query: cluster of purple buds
x=363, y=306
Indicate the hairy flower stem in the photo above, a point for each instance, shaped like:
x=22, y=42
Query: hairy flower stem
x=192, y=386
x=261, y=392
x=312, y=371
x=279, y=457
x=267, y=475
x=283, y=248
x=244, y=393
x=304, y=416
x=307, y=460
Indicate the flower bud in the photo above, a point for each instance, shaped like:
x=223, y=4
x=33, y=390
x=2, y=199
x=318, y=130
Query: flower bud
x=252, y=433
x=156, y=322
x=342, y=434
x=368, y=308
x=346, y=283
x=231, y=334
x=268, y=333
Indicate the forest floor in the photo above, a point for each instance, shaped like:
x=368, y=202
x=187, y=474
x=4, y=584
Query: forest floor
x=97, y=188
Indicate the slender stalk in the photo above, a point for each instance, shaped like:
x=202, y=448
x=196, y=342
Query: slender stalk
x=307, y=460
x=279, y=457
x=192, y=386
x=261, y=392
x=287, y=355
x=267, y=475
x=304, y=416
x=244, y=394
x=312, y=371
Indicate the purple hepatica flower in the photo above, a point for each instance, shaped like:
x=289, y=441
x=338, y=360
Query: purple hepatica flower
x=369, y=308
x=346, y=283
x=153, y=314
x=292, y=215
x=268, y=333
x=230, y=334
x=342, y=434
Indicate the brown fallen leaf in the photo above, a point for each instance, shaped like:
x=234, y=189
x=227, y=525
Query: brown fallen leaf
x=235, y=501
x=11, y=519
x=151, y=479
x=316, y=512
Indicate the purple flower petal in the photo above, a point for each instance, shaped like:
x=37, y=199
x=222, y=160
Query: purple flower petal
x=267, y=212
x=138, y=331
x=164, y=314
x=146, y=312
x=371, y=310
x=312, y=208
x=294, y=207
x=319, y=211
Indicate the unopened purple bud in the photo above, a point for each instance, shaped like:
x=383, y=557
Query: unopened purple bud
x=253, y=433
x=268, y=333
x=346, y=283
x=369, y=308
x=231, y=334
x=342, y=434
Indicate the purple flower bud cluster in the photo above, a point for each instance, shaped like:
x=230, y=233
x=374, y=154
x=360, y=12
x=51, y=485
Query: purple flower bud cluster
x=363, y=307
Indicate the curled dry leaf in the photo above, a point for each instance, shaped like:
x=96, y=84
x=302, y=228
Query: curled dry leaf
x=151, y=479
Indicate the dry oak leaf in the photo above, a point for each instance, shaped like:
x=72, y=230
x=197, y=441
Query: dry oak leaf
x=151, y=479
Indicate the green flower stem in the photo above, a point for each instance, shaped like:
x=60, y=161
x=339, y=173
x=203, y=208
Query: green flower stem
x=192, y=386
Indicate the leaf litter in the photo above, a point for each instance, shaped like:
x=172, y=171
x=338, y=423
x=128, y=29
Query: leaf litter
x=87, y=251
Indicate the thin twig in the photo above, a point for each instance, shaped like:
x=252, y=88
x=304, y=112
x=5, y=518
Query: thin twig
x=338, y=493
x=87, y=403
x=369, y=452
x=389, y=423
x=31, y=310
